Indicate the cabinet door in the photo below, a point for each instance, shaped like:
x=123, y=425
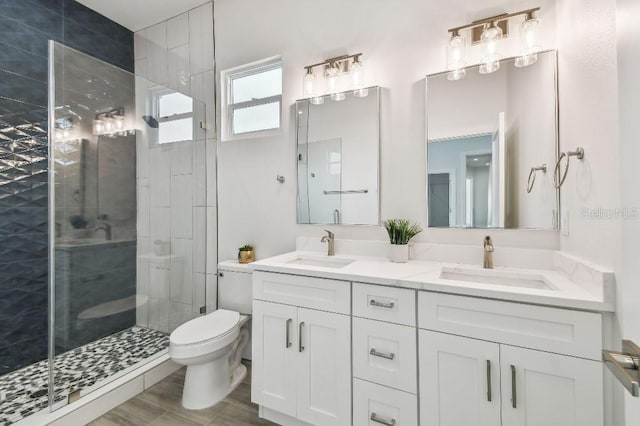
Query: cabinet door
x=275, y=351
x=459, y=381
x=324, y=368
x=550, y=389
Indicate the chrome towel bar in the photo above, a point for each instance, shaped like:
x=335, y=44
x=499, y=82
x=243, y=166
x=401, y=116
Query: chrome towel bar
x=532, y=176
x=558, y=179
x=351, y=191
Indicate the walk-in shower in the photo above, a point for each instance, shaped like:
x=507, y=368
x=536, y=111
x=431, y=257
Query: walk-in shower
x=127, y=226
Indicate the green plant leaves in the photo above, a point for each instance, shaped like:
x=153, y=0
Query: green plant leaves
x=401, y=230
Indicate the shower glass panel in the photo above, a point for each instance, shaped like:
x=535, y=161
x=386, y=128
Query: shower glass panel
x=127, y=220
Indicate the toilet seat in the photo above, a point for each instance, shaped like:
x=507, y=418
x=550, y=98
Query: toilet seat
x=204, y=334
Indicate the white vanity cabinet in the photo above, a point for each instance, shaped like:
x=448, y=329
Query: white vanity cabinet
x=464, y=380
x=301, y=356
x=384, y=356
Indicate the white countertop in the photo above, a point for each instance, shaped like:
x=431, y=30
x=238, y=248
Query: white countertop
x=426, y=275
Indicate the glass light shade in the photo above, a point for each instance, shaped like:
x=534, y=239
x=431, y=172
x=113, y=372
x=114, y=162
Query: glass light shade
x=339, y=96
x=490, y=50
x=357, y=75
x=529, y=43
x=456, y=74
x=119, y=122
x=456, y=53
x=331, y=75
x=308, y=84
x=108, y=124
x=357, y=79
x=98, y=127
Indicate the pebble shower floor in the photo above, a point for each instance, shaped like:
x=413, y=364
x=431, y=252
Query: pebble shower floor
x=24, y=392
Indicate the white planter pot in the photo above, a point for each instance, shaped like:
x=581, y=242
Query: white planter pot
x=399, y=253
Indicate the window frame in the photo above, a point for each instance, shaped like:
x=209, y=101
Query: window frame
x=155, y=108
x=228, y=107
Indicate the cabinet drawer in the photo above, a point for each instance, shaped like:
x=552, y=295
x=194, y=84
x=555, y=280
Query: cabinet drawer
x=538, y=327
x=315, y=293
x=375, y=405
x=384, y=303
x=385, y=353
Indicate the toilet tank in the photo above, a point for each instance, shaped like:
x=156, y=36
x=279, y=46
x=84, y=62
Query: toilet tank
x=234, y=287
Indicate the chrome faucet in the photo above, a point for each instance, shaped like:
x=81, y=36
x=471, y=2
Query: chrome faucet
x=329, y=239
x=488, y=253
x=104, y=227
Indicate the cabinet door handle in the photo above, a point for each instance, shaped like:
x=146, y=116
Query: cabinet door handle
x=514, y=396
x=390, y=355
x=374, y=418
x=300, y=347
x=375, y=303
x=287, y=333
x=489, y=380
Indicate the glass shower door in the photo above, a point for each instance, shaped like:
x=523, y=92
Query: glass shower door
x=127, y=220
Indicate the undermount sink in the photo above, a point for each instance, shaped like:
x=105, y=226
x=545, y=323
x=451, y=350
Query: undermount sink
x=323, y=262
x=491, y=276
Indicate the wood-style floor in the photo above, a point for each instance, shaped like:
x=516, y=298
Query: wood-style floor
x=160, y=406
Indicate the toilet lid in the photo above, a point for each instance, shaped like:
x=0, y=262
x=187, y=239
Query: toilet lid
x=207, y=327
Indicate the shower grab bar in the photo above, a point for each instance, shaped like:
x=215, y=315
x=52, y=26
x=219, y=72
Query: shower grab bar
x=558, y=179
x=532, y=176
x=351, y=191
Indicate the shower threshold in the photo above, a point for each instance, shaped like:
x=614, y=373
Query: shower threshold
x=25, y=391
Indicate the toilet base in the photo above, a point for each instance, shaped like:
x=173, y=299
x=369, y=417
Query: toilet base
x=204, y=386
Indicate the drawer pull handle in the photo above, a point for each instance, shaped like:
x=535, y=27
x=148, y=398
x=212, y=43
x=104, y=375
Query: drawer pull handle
x=374, y=302
x=390, y=355
x=488, y=380
x=374, y=418
x=287, y=333
x=514, y=396
x=300, y=346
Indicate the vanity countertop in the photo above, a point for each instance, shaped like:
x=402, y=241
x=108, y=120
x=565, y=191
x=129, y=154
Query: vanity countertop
x=556, y=287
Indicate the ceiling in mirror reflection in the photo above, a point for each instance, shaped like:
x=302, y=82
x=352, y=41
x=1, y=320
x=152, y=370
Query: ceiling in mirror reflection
x=485, y=133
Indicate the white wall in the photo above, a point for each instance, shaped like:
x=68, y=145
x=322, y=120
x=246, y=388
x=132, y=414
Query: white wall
x=588, y=117
x=401, y=42
x=628, y=16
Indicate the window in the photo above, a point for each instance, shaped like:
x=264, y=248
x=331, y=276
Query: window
x=253, y=99
x=175, y=117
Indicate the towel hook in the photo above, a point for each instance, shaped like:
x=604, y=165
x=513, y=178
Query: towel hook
x=559, y=180
x=532, y=176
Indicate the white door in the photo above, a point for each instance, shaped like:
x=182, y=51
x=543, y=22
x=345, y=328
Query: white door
x=275, y=351
x=459, y=381
x=543, y=389
x=324, y=368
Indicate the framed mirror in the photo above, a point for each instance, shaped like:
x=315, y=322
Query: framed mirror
x=492, y=142
x=338, y=160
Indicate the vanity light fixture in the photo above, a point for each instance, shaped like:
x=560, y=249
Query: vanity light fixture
x=339, y=75
x=489, y=33
x=110, y=123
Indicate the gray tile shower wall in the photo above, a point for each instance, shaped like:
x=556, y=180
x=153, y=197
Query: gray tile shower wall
x=25, y=28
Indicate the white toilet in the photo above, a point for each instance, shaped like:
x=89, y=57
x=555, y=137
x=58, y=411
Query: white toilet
x=211, y=346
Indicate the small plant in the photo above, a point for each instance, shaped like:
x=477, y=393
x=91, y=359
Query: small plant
x=401, y=230
x=246, y=247
x=78, y=222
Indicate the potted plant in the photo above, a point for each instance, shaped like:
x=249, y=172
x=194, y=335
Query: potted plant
x=79, y=225
x=246, y=254
x=400, y=232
